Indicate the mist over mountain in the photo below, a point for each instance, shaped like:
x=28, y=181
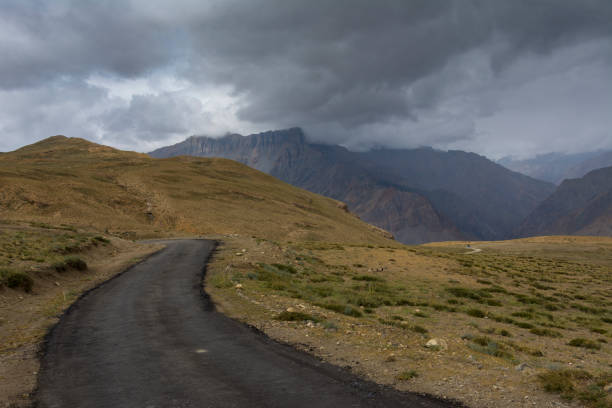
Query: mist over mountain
x=556, y=167
x=580, y=206
x=419, y=195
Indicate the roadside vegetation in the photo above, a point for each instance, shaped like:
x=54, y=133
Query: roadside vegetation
x=532, y=308
x=33, y=249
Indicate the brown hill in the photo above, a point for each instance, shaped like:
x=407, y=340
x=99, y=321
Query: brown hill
x=578, y=207
x=73, y=181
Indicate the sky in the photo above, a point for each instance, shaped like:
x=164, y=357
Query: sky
x=497, y=77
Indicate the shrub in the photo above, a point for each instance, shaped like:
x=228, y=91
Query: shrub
x=16, y=280
x=101, y=239
x=285, y=268
x=407, y=375
x=75, y=262
x=295, y=317
x=545, y=332
x=475, y=313
x=368, y=278
x=487, y=346
x=338, y=308
x=60, y=266
x=584, y=343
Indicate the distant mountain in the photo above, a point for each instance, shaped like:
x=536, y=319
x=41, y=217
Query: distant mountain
x=556, y=167
x=419, y=195
x=578, y=207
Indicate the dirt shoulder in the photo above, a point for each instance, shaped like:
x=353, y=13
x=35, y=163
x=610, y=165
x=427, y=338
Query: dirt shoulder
x=25, y=317
x=376, y=309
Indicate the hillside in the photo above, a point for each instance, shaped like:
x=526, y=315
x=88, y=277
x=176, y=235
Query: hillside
x=130, y=194
x=419, y=195
x=579, y=207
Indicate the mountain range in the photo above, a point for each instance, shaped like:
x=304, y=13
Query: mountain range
x=419, y=195
x=556, y=167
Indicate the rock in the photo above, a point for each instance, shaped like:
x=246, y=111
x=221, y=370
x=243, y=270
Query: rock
x=238, y=286
x=238, y=253
x=521, y=367
x=290, y=309
x=436, y=344
x=310, y=324
x=608, y=388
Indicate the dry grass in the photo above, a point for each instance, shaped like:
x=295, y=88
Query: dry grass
x=132, y=195
x=496, y=309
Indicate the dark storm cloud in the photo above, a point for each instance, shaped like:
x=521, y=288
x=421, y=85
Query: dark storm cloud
x=396, y=73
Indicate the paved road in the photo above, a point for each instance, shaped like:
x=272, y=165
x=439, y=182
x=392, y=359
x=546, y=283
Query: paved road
x=149, y=338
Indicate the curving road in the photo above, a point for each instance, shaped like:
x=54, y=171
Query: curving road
x=149, y=338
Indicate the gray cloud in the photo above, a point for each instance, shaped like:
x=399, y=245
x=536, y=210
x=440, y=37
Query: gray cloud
x=498, y=77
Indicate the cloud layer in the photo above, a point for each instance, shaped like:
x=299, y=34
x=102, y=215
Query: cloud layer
x=496, y=77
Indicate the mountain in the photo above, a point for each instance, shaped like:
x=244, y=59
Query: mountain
x=556, y=167
x=419, y=195
x=598, y=161
x=578, y=207
x=83, y=184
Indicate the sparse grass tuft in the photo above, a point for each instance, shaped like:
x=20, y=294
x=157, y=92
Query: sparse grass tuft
x=584, y=343
x=295, y=317
x=407, y=375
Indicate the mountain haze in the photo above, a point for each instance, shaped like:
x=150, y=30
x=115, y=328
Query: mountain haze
x=556, y=167
x=419, y=195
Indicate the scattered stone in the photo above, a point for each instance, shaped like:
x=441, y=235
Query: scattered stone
x=310, y=324
x=608, y=388
x=521, y=367
x=437, y=344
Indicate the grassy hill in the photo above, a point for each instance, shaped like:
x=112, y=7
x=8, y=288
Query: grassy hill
x=80, y=183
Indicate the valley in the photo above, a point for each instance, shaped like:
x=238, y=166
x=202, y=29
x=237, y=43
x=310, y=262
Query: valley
x=523, y=322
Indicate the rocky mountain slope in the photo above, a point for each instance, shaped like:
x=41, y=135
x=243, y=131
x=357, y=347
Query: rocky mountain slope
x=578, y=207
x=130, y=194
x=419, y=195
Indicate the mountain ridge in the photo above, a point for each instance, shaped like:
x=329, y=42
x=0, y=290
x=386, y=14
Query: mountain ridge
x=429, y=194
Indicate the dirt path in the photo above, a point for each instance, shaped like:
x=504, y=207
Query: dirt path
x=149, y=338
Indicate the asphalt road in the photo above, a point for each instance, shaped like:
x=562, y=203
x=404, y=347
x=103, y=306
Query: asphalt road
x=150, y=338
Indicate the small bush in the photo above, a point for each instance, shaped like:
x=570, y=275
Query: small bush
x=285, y=268
x=368, y=278
x=487, y=346
x=60, y=266
x=545, y=332
x=584, y=343
x=295, y=317
x=76, y=263
x=419, y=329
x=338, y=308
x=475, y=313
x=101, y=239
x=505, y=333
x=407, y=375
x=19, y=280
